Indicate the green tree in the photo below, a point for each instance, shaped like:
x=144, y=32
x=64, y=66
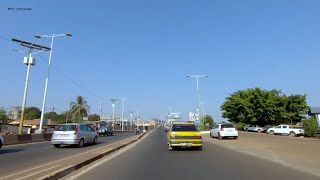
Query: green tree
x=3, y=115
x=310, y=127
x=32, y=113
x=79, y=109
x=262, y=107
x=208, y=121
x=94, y=117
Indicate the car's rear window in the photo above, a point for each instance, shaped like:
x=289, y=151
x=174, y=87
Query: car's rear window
x=66, y=128
x=184, y=127
x=227, y=126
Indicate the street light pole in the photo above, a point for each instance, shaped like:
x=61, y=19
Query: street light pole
x=52, y=36
x=131, y=115
x=25, y=93
x=113, y=101
x=122, y=123
x=198, y=91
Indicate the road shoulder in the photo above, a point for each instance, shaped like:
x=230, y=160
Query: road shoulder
x=299, y=155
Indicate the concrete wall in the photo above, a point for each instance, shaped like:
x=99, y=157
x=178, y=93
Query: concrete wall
x=13, y=129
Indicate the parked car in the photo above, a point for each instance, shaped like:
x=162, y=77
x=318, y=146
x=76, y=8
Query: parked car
x=287, y=130
x=185, y=135
x=254, y=128
x=224, y=130
x=106, y=130
x=74, y=134
x=1, y=141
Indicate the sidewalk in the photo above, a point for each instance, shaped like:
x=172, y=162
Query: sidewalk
x=298, y=153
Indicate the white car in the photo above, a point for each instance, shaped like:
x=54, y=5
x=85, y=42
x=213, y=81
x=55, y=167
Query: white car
x=74, y=134
x=286, y=130
x=224, y=130
x=1, y=141
x=254, y=128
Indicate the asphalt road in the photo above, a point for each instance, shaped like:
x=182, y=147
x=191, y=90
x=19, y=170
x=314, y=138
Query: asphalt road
x=151, y=159
x=13, y=158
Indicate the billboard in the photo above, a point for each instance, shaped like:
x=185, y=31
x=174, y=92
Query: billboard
x=193, y=116
x=174, y=116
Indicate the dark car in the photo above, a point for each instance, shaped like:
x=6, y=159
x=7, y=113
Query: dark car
x=105, y=130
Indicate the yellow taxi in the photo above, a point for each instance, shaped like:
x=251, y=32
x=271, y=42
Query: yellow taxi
x=184, y=135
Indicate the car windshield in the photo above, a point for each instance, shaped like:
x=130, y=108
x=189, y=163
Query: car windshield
x=184, y=127
x=227, y=126
x=66, y=128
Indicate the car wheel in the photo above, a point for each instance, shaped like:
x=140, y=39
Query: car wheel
x=259, y=131
x=271, y=132
x=219, y=136
x=0, y=144
x=57, y=145
x=81, y=143
x=236, y=137
x=246, y=129
x=292, y=134
x=95, y=140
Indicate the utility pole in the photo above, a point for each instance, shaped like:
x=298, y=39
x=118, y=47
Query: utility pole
x=100, y=110
x=28, y=61
x=68, y=111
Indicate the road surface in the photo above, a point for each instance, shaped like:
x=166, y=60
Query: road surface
x=151, y=159
x=13, y=158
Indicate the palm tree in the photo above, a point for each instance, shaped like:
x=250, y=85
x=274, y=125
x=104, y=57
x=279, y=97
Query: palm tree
x=80, y=108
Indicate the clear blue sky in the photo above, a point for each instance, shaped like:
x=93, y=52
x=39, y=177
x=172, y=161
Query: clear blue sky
x=143, y=50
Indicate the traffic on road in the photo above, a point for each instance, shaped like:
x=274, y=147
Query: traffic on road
x=150, y=159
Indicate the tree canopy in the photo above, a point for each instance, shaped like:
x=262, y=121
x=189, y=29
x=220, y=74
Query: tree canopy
x=80, y=108
x=262, y=107
x=94, y=117
x=32, y=113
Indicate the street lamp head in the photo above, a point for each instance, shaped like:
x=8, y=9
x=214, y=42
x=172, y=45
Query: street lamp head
x=37, y=36
x=68, y=34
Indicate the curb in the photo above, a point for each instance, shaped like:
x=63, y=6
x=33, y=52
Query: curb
x=75, y=167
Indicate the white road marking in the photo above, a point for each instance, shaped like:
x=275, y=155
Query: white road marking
x=29, y=175
x=108, y=158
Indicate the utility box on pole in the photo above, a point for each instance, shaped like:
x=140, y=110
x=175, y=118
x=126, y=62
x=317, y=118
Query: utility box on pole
x=31, y=61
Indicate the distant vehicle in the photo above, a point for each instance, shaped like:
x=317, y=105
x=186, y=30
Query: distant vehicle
x=1, y=141
x=286, y=130
x=224, y=130
x=74, y=134
x=184, y=135
x=106, y=130
x=254, y=128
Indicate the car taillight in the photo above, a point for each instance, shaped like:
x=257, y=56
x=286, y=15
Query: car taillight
x=199, y=136
x=76, y=130
x=221, y=129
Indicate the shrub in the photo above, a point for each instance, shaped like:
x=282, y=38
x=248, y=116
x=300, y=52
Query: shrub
x=310, y=127
x=239, y=125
